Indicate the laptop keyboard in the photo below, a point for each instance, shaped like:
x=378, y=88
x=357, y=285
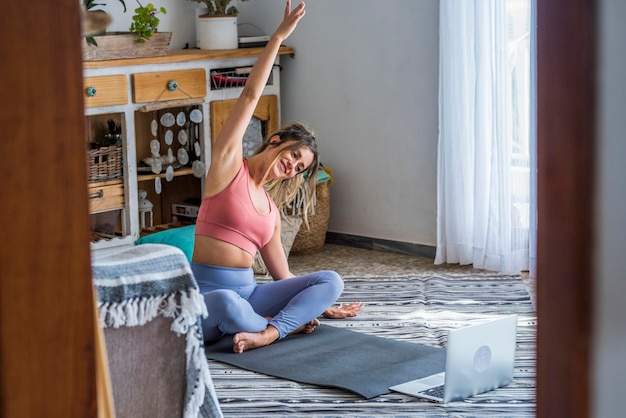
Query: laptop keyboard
x=436, y=392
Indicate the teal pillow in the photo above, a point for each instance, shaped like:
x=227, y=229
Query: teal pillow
x=182, y=238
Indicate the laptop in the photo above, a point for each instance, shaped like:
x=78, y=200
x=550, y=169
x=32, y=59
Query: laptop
x=479, y=358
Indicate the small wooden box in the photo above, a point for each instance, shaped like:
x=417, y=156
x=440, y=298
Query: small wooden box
x=118, y=45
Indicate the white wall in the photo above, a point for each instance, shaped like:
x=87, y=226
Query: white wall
x=610, y=310
x=365, y=78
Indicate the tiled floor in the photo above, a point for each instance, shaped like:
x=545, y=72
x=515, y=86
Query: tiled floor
x=357, y=262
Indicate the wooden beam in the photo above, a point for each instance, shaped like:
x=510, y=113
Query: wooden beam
x=47, y=353
x=566, y=66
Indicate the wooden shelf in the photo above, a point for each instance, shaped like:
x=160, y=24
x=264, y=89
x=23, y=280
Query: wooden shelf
x=185, y=55
x=107, y=183
x=152, y=176
x=162, y=227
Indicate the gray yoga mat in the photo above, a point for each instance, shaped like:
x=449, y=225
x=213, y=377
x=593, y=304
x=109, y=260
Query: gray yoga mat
x=337, y=357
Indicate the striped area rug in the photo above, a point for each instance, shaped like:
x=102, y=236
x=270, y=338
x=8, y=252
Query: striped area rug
x=418, y=309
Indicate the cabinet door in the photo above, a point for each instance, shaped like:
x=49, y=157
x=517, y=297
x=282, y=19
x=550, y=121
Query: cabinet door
x=266, y=111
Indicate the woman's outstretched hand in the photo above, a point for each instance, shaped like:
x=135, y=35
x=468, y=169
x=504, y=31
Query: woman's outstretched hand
x=291, y=19
x=342, y=311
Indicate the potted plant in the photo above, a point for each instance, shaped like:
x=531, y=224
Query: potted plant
x=142, y=39
x=219, y=7
x=145, y=21
x=216, y=28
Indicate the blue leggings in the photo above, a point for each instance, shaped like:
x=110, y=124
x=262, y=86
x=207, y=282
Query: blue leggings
x=236, y=303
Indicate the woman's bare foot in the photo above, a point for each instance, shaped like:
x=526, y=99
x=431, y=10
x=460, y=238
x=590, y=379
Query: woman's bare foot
x=307, y=328
x=243, y=341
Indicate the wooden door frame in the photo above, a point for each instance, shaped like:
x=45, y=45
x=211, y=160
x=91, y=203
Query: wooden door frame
x=566, y=96
x=47, y=339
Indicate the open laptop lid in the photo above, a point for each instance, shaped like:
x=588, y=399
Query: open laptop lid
x=480, y=358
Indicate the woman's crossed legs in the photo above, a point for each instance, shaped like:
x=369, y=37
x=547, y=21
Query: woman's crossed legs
x=258, y=315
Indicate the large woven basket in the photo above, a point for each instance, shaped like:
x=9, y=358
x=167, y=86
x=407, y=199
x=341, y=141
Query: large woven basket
x=312, y=241
x=105, y=163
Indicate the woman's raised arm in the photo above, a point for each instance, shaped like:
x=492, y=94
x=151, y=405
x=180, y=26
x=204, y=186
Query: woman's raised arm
x=227, y=149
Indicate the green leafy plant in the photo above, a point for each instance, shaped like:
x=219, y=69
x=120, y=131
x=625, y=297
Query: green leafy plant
x=91, y=7
x=219, y=7
x=145, y=21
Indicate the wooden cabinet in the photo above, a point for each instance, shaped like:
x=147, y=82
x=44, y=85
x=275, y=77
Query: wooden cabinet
x=174, y=106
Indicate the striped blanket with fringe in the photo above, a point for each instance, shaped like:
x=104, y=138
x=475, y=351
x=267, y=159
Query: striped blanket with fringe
x=419, y=309
x=137, y=285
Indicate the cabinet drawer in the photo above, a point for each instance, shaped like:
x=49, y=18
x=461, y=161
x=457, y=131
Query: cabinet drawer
x=105, y=90
x=169, y=85
x=105, y=197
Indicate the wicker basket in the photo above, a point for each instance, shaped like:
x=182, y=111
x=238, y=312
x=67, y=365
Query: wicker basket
x=312, y=241
x=105, y=163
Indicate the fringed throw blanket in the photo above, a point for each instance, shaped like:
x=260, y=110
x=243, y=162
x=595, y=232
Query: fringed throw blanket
x=136, y=286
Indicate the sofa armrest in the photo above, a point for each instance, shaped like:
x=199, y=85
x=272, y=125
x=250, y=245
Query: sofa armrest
x=151, y=309
x=147, y=368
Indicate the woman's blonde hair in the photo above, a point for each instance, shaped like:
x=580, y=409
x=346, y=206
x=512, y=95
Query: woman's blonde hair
x=294, y=196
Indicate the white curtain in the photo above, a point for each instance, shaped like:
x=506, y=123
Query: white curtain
x=486, y=183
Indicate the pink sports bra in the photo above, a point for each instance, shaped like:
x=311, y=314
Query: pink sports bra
x=231, y=216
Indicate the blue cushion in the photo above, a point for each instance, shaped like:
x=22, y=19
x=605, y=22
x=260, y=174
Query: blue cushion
x=182, y=238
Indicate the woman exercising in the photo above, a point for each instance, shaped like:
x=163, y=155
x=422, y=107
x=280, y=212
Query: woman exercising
x=238, y=217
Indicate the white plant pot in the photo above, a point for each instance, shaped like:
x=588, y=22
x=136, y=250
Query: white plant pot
x=216, y=32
